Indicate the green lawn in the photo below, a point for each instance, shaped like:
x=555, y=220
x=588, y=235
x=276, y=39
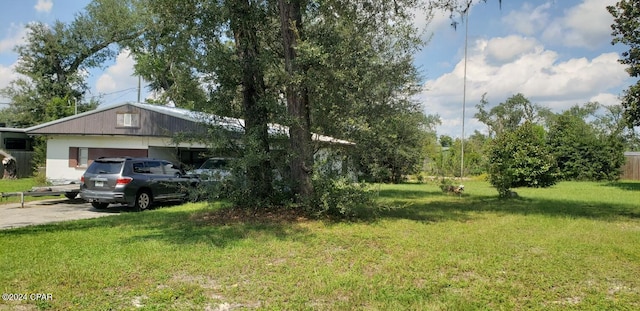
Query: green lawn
x=20, y=185
x=575, y=246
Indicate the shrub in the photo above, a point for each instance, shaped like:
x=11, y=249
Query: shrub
x=445, y=184
x=521, y=159
x=339, y=197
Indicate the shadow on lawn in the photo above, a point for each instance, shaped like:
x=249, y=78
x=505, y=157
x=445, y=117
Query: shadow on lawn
x=178, y=226
x=174, y=226
x=407, y=194
x=466, y=208
x=197, y=227
x=625, y=185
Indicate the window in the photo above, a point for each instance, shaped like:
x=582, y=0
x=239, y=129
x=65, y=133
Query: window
x=154, y=167
x=78, y=157
x=170, y=169
x=138, y=168
x=127, y=119
x=16, y=143
x=105, y=167
x=83, y=156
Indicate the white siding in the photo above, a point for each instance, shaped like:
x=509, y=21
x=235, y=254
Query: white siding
x=163, y=153
x=57, y=165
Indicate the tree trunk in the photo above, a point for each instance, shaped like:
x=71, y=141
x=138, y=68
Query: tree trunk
x=259, y=175
x=297, y=100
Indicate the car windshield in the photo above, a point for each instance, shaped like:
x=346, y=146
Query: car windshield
x=100, y=167
x=212, y=164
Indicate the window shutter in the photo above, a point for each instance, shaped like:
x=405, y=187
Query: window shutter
x=73, y=156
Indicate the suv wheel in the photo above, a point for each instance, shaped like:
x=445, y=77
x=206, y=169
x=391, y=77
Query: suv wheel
x=99, y=205
x=143, y=200
x=71, y=195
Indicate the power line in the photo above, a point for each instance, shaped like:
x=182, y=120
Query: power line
x=101, y=95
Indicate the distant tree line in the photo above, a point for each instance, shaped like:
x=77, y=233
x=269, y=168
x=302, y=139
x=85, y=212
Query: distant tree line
x=528, y=145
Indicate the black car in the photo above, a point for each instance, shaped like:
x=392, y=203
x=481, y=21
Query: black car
x=137, y=182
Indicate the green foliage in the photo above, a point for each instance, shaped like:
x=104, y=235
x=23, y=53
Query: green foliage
x=507, y=116
x=446, y=184
x=360, y=80
x=340, y=198
x=521, y=159
x=39, y=152
x=626, y=16
x=582, y=152
x=475, y=154
x=40, y=178
x=392, y=148
x=446, y=141
x=54, y=58
x=446, y=161
x=351, y=76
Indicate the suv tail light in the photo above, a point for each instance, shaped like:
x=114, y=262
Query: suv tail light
x=82, y=179
x=123, y=180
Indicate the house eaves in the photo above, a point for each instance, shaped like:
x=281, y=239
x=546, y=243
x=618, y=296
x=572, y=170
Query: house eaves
x=11, y=130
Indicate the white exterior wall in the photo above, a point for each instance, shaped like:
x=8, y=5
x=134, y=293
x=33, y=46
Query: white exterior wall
x=57, y=164
x=163, y=153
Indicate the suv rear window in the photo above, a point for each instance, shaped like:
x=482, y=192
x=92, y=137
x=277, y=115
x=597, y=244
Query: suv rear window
x=100, y=167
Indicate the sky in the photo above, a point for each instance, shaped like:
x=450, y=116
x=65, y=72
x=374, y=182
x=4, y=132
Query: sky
x=557, y=53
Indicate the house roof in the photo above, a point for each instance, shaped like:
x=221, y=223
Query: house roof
x=231, y=124
x=11, y=129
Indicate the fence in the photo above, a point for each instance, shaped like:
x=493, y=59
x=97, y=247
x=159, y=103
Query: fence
x=631, y=168
x=23, y=163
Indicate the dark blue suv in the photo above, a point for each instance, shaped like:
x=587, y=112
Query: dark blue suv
x=137, y=182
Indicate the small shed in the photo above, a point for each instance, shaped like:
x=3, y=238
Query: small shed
x=17, y=143
x=631, y=168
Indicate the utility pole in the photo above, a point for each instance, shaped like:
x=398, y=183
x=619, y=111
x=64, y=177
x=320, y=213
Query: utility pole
x=464, y=89
x=139, y=82
x=75, y=105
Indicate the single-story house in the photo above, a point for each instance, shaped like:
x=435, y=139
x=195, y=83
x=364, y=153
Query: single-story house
x=130, y=129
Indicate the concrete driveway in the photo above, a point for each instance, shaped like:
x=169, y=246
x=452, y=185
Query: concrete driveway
x=48, y=211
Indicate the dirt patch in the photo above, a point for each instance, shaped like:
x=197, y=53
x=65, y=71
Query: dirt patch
x=235, y=215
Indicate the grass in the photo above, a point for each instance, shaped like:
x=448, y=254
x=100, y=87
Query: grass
x=574, y=246
x=19, y=185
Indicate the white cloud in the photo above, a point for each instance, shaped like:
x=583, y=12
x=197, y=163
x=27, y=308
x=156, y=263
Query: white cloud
x=606, y=99
x=507, y=49
x=528, y=20
x=119, y=76
x=527, y=68
x=16, y=35
x=7, y=74
x=44, y=6
x=586, y=25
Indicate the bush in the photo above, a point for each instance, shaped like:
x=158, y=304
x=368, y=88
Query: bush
x=446, y=184
x=582, y=152
x=339, y=197
x=521, y=159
